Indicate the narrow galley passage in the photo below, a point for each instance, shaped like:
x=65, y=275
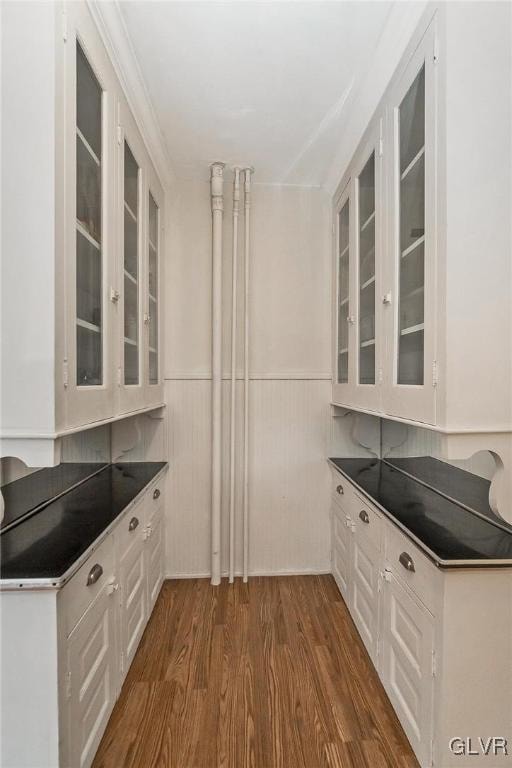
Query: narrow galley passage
x=269, y=673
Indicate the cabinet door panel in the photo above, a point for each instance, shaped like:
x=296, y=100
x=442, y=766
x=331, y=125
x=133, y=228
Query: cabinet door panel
x=410, y=317
x=132, y=582
x=91, y=663
x=343, y=320
x=364, y=600
x=154, y=282
x=154, y=555
x=407, y=664
x=341, y=554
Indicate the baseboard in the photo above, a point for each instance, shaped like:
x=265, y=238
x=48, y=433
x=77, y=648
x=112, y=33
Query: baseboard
x=239, y=574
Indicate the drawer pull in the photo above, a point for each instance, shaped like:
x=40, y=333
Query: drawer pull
x=339, y=489
x=94, y=574
x=133, y=524
x=156, y=493
x=363, y=515
x=407, y=562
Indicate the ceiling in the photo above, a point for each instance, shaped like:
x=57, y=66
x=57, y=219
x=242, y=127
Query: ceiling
x=259, y=83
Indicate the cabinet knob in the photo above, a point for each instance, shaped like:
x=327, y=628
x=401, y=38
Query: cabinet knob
x=363, y=515
x=339, y=489
x=94, y=574
x=133, y=524
x=406, y=560
x=351, y=319
x=156, y=493
x=386, y=299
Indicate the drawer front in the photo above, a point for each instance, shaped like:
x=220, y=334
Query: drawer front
x=368, y=523
x=343, y=493
x=155, y=498
x=412, y=567
x=78, y=594
x=130, y=531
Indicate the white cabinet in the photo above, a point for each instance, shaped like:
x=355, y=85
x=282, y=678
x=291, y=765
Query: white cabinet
x=406, y=665
x=92, y=678
x=86, y=635
x=436, y=213
x=430, y=633
x=80, y=347
x=132, y=584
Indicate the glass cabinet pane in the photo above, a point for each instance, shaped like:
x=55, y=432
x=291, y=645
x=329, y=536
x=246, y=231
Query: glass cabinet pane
x=153, y=290
x=131, y=268
x=343, y=291
x=89, y=267
x=366, y=234
x=412, y=234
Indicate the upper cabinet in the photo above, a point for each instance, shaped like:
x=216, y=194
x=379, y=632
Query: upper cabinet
x=84, y=344
x=422, y=319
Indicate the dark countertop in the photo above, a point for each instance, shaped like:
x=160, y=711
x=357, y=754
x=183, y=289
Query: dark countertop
x=450, y=534
x=23, y=495
x=468, y=489
x=50, y=542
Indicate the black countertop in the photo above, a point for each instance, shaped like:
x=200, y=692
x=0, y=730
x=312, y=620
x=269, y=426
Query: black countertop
x=23, y=495
x=49, y=543
x=452, y=535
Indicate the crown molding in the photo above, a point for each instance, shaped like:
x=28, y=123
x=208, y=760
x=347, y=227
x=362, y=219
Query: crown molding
x=112, y=28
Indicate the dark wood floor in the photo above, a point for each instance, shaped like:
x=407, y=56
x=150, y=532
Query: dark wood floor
x=268, y=674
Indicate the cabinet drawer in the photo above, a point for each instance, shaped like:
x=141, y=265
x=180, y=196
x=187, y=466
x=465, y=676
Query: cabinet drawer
x=343, y=492
x=155, y=498
x=368, y=523
x=131, y=529
x=78, y=594
x=402, y=556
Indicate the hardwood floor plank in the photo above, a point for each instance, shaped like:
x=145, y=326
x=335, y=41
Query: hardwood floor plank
x=269, y=674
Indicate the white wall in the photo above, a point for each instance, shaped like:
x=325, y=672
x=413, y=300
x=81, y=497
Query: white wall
x=290, y=432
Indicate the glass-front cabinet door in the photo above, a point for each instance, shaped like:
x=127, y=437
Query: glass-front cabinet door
x=411, y=373
x=367, y=266
x=154, y=285
x=343, y=320
x=88, y=171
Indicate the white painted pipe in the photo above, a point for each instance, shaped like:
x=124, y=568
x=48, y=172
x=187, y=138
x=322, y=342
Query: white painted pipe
x=247, y=206
x=217, y=170
x=232, y=458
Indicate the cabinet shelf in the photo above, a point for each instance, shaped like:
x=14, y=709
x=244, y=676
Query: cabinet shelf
x=130, y=276
x=129, y=210
x=413, y=246
x=84, y=232
x=369, y=343
x=344, y=252
x=413, y=162
x=343, y=302
x=344, y=351
x=412, y=329
x=152, y=298
x=368, y=221
x=152, y=350
x=368, y=282
x=88, y=326
x=129, y=341
x=87, y=146
x=152, y=245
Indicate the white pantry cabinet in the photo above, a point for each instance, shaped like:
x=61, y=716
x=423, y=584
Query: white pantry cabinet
x=436, y=637
x=87, y=634
x=78, y=273
x=442, y=286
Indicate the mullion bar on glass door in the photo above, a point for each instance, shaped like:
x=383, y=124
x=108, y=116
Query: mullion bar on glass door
x=153, y=290
x=411, y=308
x=366, y=238
x=89, y=280
x=343, y=291
x=131, y=268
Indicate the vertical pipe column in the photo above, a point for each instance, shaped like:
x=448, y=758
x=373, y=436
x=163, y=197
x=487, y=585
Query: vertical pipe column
x=247, y=207
x=217, y=170
x=232, y=458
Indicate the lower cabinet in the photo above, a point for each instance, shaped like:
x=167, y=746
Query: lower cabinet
x=407, y=664
x=123, y=578
x=91, y=679
x=439, y=639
